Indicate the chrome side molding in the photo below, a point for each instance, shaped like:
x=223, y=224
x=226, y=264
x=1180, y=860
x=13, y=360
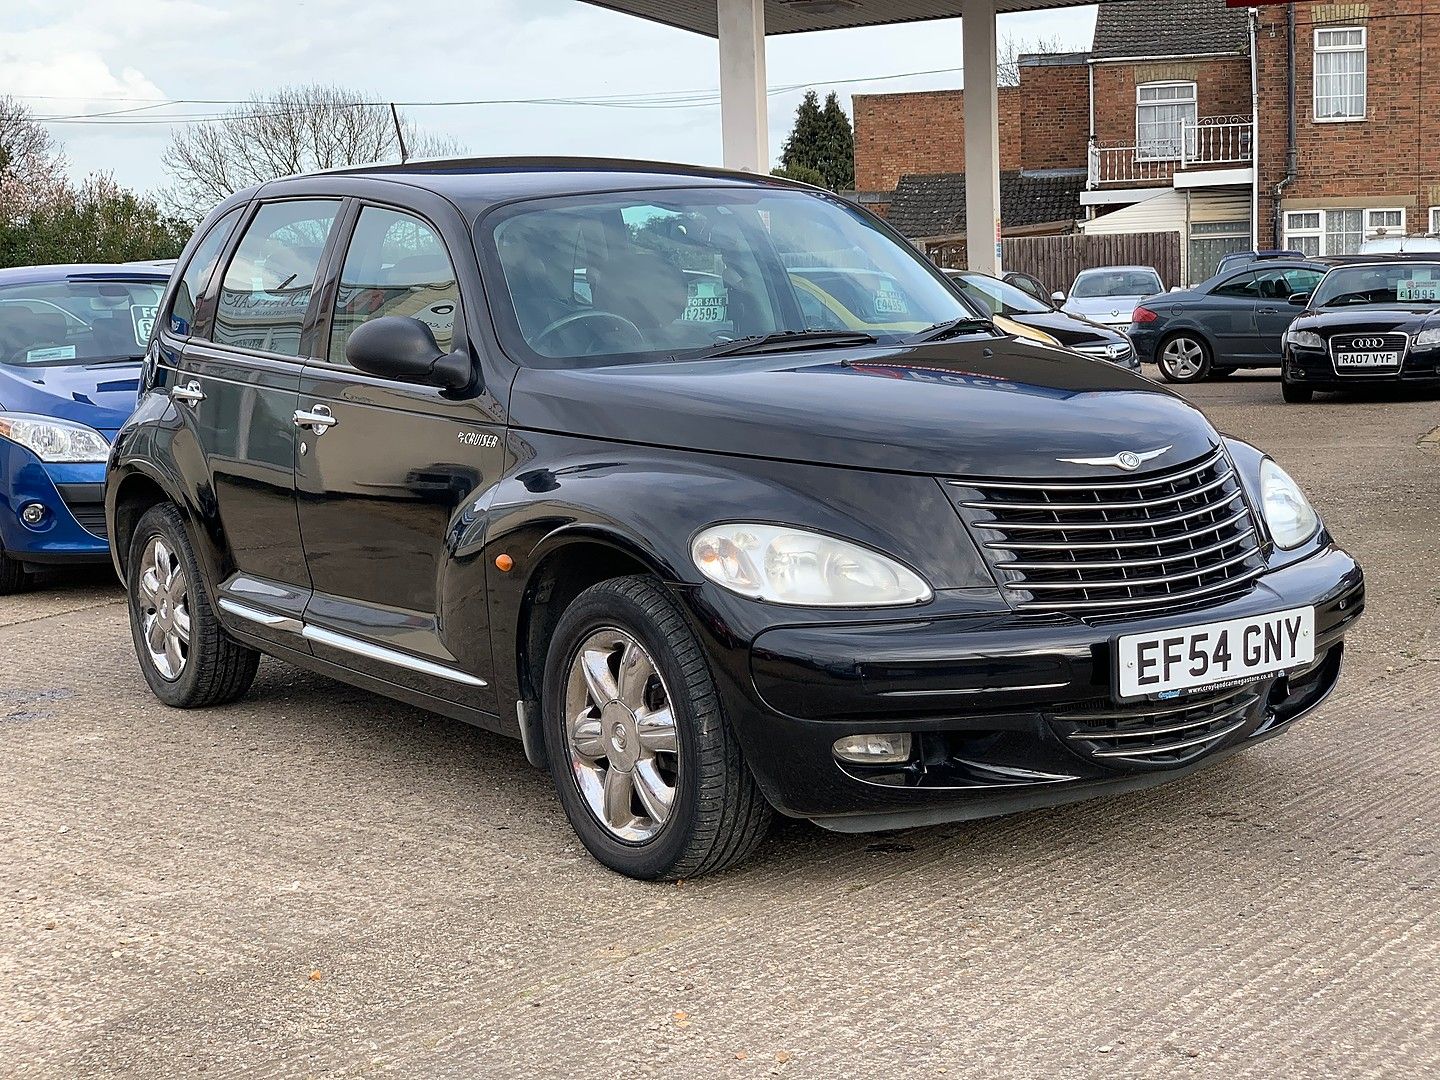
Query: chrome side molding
x=349, y=644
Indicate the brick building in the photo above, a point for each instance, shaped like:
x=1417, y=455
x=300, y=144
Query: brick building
x=1158, y=122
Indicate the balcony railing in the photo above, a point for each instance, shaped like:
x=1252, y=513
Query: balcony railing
x=1210, y=142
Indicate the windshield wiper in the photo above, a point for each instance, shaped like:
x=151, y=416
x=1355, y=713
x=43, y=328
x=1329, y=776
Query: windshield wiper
x=950, y=328
x=781, y=340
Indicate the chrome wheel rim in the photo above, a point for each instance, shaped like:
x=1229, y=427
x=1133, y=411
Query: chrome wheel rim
x=1184, y=358
x=164, y=600
x=621, y=731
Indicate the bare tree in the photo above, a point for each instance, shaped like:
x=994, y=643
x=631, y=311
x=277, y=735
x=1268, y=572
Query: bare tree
x=295, y=129
x=1011, y=49
x=32, y=167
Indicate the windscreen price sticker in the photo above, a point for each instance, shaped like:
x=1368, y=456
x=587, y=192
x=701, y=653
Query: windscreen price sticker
x=143, y=316
x=1424, y=291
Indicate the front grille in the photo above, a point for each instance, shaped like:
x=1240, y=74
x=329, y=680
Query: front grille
x=1387, y=343
x=90, y=515
x=1170, y=733
x=1152, y=543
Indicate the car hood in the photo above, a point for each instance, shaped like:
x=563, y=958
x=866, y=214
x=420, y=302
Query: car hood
x=1070, y=329
x=1103, y=308
x=974, y=407
x=1407, y=317
x=100, y=395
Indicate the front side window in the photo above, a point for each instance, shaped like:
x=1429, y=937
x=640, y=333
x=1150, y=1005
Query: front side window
x=188, y=299
x=396, y=265
x=1340, y=74
x=1164, y=120
x=267, y=286
x=77, y=321
x=659, y=274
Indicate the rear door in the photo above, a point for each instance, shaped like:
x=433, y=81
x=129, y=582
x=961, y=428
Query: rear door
x=238, y=389
x=387, y=488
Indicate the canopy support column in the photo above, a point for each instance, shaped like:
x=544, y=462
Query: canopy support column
x=744, y=130
x=982, y=136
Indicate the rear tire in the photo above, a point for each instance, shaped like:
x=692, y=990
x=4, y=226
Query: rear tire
x=1295, y=394
x=652, y=778
x=188, y=659
x=1183, y=358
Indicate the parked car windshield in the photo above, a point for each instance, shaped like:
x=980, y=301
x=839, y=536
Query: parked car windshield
x=1381, y=283
x=998, y=297
x=76, y=322
x=1116, y=283
x=660, y=274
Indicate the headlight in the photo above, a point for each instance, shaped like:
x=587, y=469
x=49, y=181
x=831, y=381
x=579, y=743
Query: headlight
x=1426, y=339
x=1306, y=339
x=792, y=566
x=1291, y=518
x=54, y=440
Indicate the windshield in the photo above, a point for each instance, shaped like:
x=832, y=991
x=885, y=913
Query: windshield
x=76, y=321
x=1380, y=284
x=1116, y=283
x=664, y=274
x=998, y=297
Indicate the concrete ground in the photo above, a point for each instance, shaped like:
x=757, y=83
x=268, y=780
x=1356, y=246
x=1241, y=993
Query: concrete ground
x=317, y=882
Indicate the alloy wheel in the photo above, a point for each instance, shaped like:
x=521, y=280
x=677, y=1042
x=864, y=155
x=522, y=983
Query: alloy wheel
x=622, y=735
x=164, y=599
x=1183, y=359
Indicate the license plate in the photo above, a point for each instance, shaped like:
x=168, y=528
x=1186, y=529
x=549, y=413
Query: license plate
x=1367, y=359
x=1214, y=655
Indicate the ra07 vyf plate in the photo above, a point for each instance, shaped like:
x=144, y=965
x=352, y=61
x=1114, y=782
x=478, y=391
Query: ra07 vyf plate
x=1213, y=655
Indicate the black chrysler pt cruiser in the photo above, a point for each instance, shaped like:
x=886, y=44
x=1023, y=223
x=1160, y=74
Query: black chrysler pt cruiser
x=709, y=489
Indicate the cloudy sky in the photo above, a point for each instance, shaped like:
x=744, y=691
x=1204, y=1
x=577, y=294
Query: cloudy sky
x=72, y=57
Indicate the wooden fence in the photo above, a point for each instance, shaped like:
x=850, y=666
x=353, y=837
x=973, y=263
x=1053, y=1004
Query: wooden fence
x=1055, y=260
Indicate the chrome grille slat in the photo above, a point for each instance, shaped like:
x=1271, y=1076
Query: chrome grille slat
x=1174, y=519
x=1014, y=564
x=1162, y=539
x=1152, y=734
x=1167, y=748
x=1153, y=711
x=1167, y=729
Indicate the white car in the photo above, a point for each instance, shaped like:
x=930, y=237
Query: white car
x=1396, y=245
x=1109, y=294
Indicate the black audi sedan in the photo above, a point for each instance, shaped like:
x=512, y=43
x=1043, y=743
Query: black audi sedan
x=1369, y=322
x=1236, y=319
x=556, y=447
x=997, y=297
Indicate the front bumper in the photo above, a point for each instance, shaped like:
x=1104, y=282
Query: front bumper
x=73, y=495
x=1006, y=710
x=1314, y=368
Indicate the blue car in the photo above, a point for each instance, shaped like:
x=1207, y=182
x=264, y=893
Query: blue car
x=71, y=342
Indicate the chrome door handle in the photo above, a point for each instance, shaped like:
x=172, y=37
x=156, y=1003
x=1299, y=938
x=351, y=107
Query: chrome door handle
x=1267, y=311
x=318, y=419
x=190, y=393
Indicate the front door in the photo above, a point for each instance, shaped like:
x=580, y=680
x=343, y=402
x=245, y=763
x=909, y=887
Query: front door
x=1275, y=313
x=1229, y=315
x=238, y=386
x=389, y=476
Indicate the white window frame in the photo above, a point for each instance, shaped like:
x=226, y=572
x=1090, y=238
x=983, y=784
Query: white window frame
x=1319, y=49
x=1324, y=227
x=1372, y=231
x=1434, y=220
x=1318, y=231
x=1194, y=101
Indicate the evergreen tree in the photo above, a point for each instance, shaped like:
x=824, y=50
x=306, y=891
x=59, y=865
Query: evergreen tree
x=822, y=141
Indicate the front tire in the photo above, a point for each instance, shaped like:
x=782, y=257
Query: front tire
x=1295, y=394
x=643, y=758
x=188, y=659
x=14, y=578
x=1184, y=358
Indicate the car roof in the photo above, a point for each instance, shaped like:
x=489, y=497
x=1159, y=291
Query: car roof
x=1117, y=269
x=33, y=275
x=475, y=184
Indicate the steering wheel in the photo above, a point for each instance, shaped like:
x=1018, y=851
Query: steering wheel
x=583, y=316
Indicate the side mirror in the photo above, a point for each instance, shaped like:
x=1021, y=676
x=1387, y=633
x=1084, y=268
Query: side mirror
x=1300, y=299
x=404, y=349
x=1058, y=296
x=1176, y=288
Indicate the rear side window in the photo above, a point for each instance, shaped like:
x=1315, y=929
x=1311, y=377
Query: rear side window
x=1240, y=287
x=396, y=265
x=267, y=286
x=188, y=299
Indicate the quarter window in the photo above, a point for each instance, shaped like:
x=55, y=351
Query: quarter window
x=267, y=286
x=191, y=306
x=1340, y=73
x=1164, y=120
x=396, y=265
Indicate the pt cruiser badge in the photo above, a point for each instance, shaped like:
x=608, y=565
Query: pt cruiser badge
x=754, y=512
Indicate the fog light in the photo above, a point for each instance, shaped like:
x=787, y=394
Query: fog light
x=874, y=749
x=32, y=513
